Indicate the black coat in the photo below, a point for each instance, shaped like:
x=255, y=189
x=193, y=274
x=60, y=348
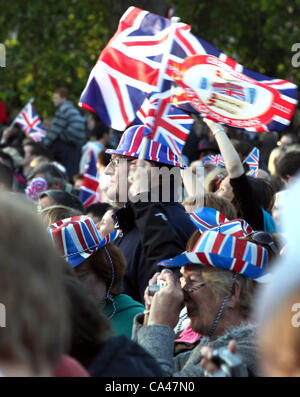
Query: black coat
x=121, y=357
x=151, y=232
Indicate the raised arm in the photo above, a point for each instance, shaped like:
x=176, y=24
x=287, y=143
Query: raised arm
x=232, y=160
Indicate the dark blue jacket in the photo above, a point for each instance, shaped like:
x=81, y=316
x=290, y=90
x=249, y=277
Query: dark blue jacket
x=151, y=232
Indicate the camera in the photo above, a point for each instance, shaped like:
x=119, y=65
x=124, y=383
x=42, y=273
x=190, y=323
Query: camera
x=156, y=287
x=230, y=365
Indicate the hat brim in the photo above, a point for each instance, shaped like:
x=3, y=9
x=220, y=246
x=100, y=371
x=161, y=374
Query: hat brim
x=244, y=268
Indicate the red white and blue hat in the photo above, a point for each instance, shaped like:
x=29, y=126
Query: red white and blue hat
x=77, y=238
x=206, y=218
x=130, y=145
x=226, y=252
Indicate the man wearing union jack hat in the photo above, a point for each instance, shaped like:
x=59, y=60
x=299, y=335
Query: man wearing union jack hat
x=219, y=276
x=148, y=225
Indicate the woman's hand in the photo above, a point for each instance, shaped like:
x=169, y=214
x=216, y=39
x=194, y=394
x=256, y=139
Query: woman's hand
x=166, y=304
x=207, y=353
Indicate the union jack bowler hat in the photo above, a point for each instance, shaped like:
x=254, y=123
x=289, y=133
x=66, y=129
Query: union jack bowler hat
x=77, y=238
x=226, y=252
x=206, y=218
x=130, y=145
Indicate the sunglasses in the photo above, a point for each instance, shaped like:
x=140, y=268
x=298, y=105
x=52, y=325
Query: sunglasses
x=264, y=238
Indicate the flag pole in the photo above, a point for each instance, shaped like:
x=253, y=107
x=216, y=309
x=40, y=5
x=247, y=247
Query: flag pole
x=174, y=21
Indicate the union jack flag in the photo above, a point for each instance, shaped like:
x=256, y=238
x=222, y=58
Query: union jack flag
x=214, y=159
x=88, y=191
x=230, y=89
x=253, y=161
x=128, y=68
x=30, y=122
x=169, y=125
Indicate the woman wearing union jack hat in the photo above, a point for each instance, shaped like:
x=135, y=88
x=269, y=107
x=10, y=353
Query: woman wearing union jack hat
x=219, y=273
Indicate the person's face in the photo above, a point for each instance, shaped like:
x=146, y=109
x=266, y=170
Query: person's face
x=27, y=155
x=202, y=305
x=225, y=189
x=285, y=141
x=106, y=225
x=57, y=99
x=46, y=201
x=78, y=183
x=95, y=285
x=118, y=186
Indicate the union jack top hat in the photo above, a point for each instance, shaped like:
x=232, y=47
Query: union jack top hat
x=206, y=218
x=130, y=145
x=77, y=238
x=226, y=252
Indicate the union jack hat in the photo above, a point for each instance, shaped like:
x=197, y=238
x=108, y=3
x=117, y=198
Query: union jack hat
x=206, y=218
x=130, y=145
x=226, y=252
x=77, y=238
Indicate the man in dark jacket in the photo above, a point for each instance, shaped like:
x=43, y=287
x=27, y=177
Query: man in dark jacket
x=67, y=133
x=153, y=229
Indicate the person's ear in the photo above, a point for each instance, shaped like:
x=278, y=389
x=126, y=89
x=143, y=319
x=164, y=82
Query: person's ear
x=235, y=295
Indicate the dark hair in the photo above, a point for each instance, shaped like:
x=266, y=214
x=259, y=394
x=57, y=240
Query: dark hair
x=220, y=204
x=63, y=92
x=6, y=176
x=78, y=176
x=51, y=174
x=37, y=149
x=103, y=158
x=61, y=197
x=289, y=164
x=98, y=209
x=99, y=264
x=90, y=329
x=262, y=191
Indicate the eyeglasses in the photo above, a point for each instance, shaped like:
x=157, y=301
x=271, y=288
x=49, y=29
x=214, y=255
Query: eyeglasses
x=264, y=238
x=195, y=288
x=115, y=162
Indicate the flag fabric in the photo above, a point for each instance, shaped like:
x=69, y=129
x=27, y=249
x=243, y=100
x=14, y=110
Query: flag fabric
x=29, y=121
x=149, y=53
x=214, y=159
x=253, y=161
x=169, y=125
x=227, y=252
x=88, y=191
x=225, y=91
x=128, y=68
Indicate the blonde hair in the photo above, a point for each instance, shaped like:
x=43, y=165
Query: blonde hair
x=211, y=200
x=55, y=213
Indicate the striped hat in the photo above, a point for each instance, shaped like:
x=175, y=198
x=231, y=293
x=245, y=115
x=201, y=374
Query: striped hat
x=226, y=252
x=77, y=238
x=130, y=145
x=206, y=218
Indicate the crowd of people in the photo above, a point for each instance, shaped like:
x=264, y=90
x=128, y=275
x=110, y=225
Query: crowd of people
x=137, y=285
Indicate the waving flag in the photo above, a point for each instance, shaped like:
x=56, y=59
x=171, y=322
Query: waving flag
x=253, y=161
x=30, y=122
x=88, y=190
x=169, y=125
x=128, y=68
x=214, y=159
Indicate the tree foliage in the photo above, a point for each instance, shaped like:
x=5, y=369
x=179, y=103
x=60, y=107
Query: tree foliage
x=258, y=33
